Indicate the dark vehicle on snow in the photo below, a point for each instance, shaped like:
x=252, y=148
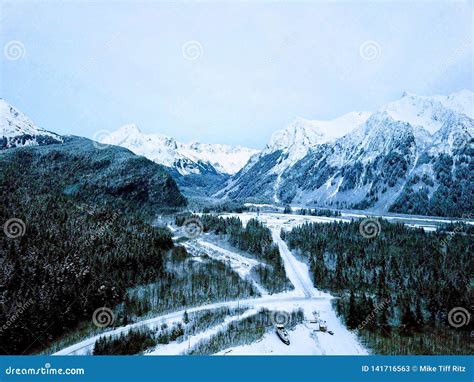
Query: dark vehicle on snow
x=283, y=334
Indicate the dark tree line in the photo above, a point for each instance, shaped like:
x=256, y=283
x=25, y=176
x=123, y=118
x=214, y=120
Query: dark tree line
x=133, y=342
x=319, y=212
x=403, y=279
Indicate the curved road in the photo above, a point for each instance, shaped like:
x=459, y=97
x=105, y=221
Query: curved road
x=88, y=344
x=296, y=271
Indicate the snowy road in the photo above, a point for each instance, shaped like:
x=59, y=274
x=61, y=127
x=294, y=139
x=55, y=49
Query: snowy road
x=295, y=271
x=305, y=296
x=277, y=301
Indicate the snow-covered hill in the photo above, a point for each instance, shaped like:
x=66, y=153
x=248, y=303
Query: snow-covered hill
x=186, y=158
x=411, y=155
x=18, y=130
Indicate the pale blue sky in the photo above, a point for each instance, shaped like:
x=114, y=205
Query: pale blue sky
x=89, y=66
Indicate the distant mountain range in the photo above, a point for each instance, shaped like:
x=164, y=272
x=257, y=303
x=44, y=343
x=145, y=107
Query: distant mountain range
x=185, y=158
x=199, y=168
x=413, y=155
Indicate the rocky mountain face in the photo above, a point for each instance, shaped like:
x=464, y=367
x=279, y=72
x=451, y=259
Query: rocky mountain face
x=263, y=174
x=413, y=155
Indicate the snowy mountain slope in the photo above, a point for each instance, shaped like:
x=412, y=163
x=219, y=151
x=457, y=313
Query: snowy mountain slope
x=373, y=156
x=185, y=158
x=461, y=102
x=286, y=147
x=18, y=130
x=303, y=134
x=374, y=165
x=430, y=112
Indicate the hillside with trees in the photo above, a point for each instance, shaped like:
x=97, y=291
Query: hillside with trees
x=85, y=238
x=398, y=286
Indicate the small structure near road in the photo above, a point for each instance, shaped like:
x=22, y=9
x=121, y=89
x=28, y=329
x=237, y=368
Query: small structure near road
x=318, y=325
x=323, y=327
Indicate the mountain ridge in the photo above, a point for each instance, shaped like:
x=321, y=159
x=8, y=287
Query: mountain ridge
x=186, y=158
x=411, y=155
x=371, y=167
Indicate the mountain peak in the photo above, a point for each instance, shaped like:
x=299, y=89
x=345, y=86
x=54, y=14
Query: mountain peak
x=130, y=128
x=407, y=94
x=306, y=133
x=300, y=132
x=18, y=130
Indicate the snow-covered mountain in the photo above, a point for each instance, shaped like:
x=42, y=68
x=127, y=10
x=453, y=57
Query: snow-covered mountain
x=287, y=147
x=410, y=155
x=185, y=158
x=18, y=130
